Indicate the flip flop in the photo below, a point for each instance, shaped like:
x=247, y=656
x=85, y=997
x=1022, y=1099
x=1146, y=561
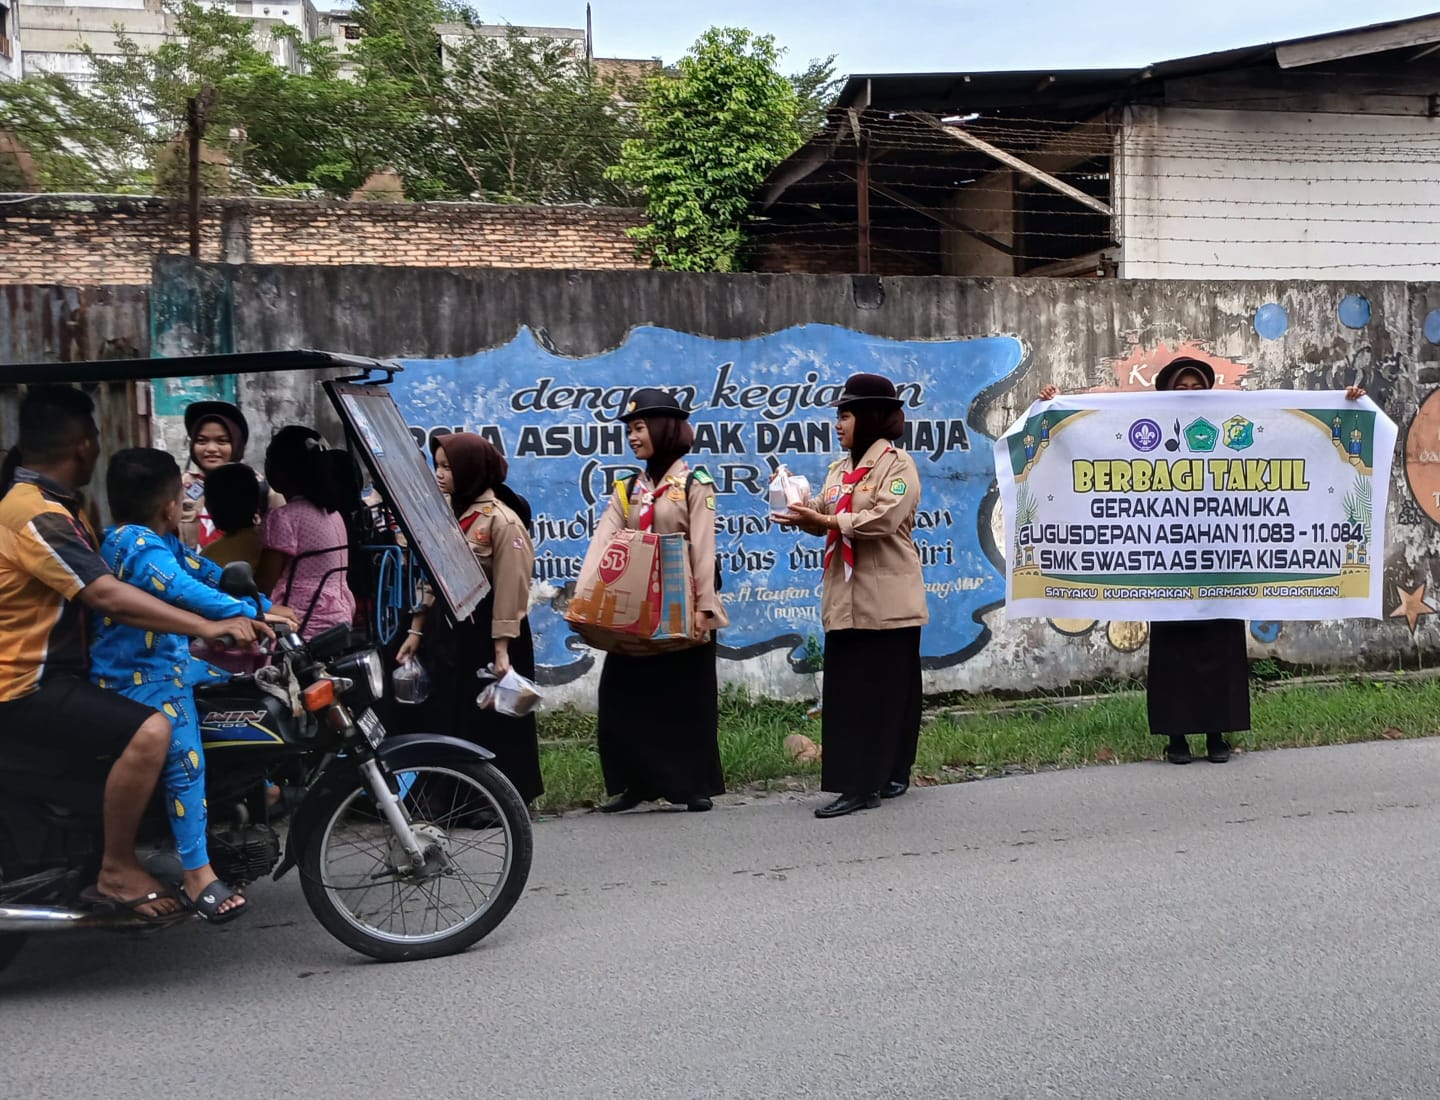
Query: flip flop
x=207, y=905
x=92, y=897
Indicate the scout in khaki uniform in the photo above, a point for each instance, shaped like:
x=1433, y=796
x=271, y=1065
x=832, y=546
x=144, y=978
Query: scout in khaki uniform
x=658, y=714
x=874, y=602
x=496, y=521
x=218, y=435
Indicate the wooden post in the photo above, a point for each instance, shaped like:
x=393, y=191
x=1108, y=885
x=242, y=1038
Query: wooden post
x=196, y=107
x=195, y=128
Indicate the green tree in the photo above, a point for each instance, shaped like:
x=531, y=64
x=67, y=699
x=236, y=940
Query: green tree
x=712, y=132
x=505, y=118
x=277, y=128
x=816, y=88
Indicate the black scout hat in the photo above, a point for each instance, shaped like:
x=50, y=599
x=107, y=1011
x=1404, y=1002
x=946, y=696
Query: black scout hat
x=1176, y=367
x=869, y=388
x=197, y=412
x=652, y=402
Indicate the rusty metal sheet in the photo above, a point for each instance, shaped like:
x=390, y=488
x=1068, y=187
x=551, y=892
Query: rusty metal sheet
x=62, y=324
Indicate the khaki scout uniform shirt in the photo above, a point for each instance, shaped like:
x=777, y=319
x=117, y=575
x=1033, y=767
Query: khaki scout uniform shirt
x=690, y=514
x=887, y=589
x=503, y=548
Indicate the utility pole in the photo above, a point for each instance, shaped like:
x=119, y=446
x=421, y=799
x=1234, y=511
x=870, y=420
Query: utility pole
x=196, y=108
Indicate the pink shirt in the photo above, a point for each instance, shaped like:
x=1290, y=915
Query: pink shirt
x=300, y=528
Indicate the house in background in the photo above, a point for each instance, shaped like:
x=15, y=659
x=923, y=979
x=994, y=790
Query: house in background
x=10, y=58
x=1313, y=158
x=56, y=30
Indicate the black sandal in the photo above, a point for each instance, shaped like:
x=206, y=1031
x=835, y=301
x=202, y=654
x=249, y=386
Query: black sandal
x=207, y=905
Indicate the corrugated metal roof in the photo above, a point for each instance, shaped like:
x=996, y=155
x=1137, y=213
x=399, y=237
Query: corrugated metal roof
x=1031, y=87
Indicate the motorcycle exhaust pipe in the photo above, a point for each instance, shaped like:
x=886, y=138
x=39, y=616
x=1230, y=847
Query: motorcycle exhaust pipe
x=44, y=918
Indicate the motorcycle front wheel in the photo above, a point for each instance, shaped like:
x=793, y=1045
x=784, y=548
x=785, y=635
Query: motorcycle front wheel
x=361, y=886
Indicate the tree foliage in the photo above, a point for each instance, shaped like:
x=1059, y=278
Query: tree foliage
x=712, y=132
x=816, y=87
x=456, y=109
x=504, y=118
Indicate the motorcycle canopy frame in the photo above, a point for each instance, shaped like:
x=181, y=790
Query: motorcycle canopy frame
x=375, y=429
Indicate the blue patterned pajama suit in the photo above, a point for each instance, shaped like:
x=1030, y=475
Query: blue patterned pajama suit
x=158, y=670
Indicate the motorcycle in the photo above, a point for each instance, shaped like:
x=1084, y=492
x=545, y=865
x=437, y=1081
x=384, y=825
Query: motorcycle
x=408, y=847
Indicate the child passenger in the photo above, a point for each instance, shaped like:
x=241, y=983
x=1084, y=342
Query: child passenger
x=232, y=495
x=144, y=549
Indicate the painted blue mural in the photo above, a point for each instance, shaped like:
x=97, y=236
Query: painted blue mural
x=757, y=403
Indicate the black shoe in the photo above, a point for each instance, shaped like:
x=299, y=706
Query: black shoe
x=1178, y=751
x=620, y=803
x=699, y=805
x=848, y=804
x=1217, y=749
x=894, y=789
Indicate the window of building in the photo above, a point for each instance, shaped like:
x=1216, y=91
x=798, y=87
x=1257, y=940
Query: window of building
x=352, y=31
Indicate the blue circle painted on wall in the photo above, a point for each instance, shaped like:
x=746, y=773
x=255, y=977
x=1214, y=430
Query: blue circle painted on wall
x=1265, y=632
x=1271, y=321
x=1432, y=326
x=1355, y=311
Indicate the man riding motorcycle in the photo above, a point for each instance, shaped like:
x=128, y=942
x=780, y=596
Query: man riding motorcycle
x=49, y=567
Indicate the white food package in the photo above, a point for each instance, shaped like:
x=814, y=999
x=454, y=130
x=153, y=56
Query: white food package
x=787, y=489
x=511, y=695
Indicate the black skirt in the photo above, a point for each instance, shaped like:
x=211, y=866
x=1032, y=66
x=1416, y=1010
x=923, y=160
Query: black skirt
x=871, y=702
x=453, y=652
x=1199, y=680
x=658, y=725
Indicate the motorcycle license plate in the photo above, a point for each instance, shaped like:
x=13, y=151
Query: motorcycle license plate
x=371, y=727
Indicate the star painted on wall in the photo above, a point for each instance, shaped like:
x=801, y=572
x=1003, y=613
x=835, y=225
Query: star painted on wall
x=1412, y=606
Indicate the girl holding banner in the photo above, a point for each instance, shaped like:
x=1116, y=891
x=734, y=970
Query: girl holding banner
x=874, y=602
x=1198, y=679
x=659, y=713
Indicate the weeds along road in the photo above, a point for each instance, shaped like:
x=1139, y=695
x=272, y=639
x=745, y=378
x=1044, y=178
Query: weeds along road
x=1265, y=928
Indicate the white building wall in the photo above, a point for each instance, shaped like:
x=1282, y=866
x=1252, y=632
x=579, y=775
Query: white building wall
x=56, y=29
x=11, y=57
x=1219, y=194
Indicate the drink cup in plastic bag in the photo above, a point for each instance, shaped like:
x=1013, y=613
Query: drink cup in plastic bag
x=411, y=682
x=787, y=489
x=511, y=695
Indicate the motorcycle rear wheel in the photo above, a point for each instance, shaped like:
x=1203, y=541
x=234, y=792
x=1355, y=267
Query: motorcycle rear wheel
x=479, y=835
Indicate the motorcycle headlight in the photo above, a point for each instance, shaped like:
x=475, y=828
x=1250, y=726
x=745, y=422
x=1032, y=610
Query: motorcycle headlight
x=367, y=670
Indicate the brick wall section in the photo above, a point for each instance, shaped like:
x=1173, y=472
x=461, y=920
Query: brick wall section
x=112, y=239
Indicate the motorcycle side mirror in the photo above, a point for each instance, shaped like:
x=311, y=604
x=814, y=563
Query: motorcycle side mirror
x=238, y=579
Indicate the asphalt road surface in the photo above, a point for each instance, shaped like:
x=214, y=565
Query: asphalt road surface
x=1266, y=928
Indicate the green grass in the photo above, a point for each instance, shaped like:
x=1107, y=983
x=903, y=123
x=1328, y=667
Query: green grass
x=998, y=737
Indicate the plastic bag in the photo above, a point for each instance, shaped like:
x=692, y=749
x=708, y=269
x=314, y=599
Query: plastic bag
x=511, y=695
x=411, y=682
x=787, y=489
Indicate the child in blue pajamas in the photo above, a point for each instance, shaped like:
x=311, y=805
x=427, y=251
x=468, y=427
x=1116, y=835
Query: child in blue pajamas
x=158, y=670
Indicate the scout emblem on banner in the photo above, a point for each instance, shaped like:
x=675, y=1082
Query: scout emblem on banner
x=1214, y=505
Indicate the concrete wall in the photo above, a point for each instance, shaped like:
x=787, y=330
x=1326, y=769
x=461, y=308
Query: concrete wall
x=976, y=350
x=11, y=59
x=1225, y=194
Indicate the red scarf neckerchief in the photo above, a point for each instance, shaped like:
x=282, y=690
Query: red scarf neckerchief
x=646, y=519
x=843, y=504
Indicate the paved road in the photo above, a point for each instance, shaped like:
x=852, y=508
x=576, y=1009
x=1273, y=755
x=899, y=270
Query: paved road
x=1270, y=928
